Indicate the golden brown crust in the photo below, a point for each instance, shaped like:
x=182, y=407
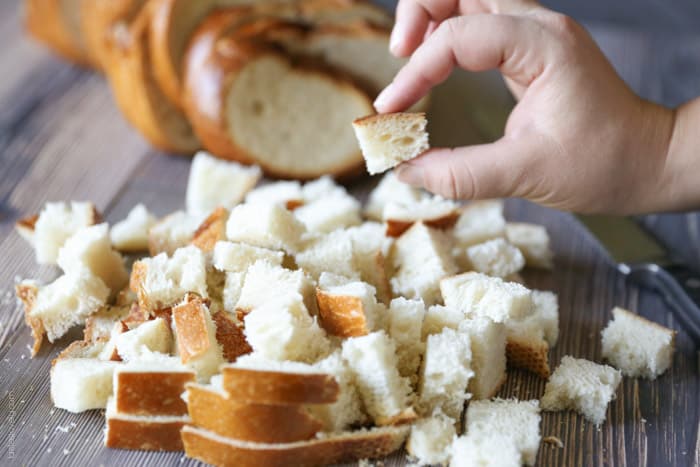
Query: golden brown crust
x=276, y=387
x=191, y=327
x=529, y=356
x=341, y=315
x=27, y=294
x=230, y=336
x=212, y=230
x=26, y=225
x=79, y=349
x=143, y=435
x=382, y=285
x=203, y=445
x=405, y=417
x=261, y=423
x=92, y=333
x=151, y=393
x=394, y=228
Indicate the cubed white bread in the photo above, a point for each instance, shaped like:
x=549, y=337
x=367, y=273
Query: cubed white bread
x=495, y=257
x=152, y=336
x=263, y=277
x=491, y=450
x=174, y=231
x=238, y=257
x=370, y=250
x=56, y=223
x=195, y=336
x=229, y=334
x=439, y=317
x=347, y=310
x=152, y=387
x=64, y=303
x=389, y=189
x=233, y=286
x=161, y=281
x=510, y=418
x=91, y=248
x=488, y=345
x=329, y=213
x=145, y=433
x=329, y=253
x=385, y=393
x=433, y=211
x=131, y=234
x=284, y=193
x=265, y=225
x=322, y=187
x=430, y=441
x=386, y=140
x=421, y=257
x=370, y=237
x=637, y=346
x=477, y=294
x=480, y=221
x=99, y=325
x=80, y=384
x=583, y=386
x=404, y=325
x=533, y=242
x=211, y=231
x=282, y=329
x=109, y=351
x=349, y=446
x=445, y=374
x=214, y=182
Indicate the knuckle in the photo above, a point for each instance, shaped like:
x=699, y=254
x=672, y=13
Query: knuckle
x=562, y=25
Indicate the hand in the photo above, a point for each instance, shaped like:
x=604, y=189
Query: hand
x=578, y=139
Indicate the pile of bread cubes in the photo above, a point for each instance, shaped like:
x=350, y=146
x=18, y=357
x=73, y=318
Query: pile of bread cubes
x=287, y=323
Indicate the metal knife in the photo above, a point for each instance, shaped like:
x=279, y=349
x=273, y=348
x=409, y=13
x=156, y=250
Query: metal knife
x=645, y=262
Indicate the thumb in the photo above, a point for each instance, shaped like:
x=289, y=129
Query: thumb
x=495, y=170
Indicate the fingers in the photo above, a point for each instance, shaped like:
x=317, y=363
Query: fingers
x=513, y=44
x=474, y=172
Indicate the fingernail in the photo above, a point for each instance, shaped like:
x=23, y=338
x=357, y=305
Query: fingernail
x=395, y=39
x=381, y=99
x=409, y=174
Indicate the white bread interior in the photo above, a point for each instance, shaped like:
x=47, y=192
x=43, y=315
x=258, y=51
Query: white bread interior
x=263, y=276
x=80, y=384
x=488, y=345
x=404, y=325
x=390, y=189
x=430, y=441
x=238, y=257
x=56, y=223
x=329, y=213
x=334, y=253
x=131, y=234
x=495, y=257
x=480, y=221
x=533, y=242
x=286, y=193
x=265, y=225
x=489, y=450
x=151, y=336
x=438, y=317
x=174, y=231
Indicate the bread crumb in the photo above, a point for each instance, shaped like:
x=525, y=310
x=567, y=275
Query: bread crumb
x=553, y=440
x=49, y=450
x=66, y=452
x=66, y=429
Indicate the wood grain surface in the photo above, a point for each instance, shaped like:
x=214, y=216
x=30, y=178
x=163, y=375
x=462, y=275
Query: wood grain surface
x=61, y=138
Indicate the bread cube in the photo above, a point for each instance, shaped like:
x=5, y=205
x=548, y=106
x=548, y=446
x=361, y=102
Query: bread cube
x=152, y=336
x=445, y=373
x=131, y=234
x=80, y=384
x=99, y=325
x=533, y=242
x=433, y=211
x=233, y=286
x=322, y=187
x=56, y=223
x=583, y=386
x=516, y=420
x=329, y=213
x=174, y=231
x=214, y=182
x=211, y=231
x=265, y=225
x=238, y=257
x=405, y=324
x=263, y=277
x=438, y=317
x=384, y=391
x=390, y=189
x=488, y=345
x=329, y=253
x=430, y=441
x=422, y=258
x=495, y=257
x=349, y=309
x=229, y=334
x=284, y=193
x=492, y=450
x=480, y=221
x=477, y=294
x=637, y=346
x=370, y=251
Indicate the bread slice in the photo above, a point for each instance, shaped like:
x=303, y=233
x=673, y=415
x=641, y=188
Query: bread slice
x=514, y=419
x=53, y=309
x=56, y=223
x=331, y=449
x=477, y=294
x=348, y=310
x=439, y=317
x=385, y=393
x=257, y=380
x=480, y=221
x=421, y=257
x=174, y=231
x=56, y=23
x=151, y=387
x=390, y=189
x=433, y=211
x=130, y=70
x=131, y=234
x=223, y=91
x=333, y=253
x=212, y=409
x=213, y=183
x=387, y=140
x=583, y=386
x=230, y=336
x=267, y=226
x=330, y=213
x=488, y=345
x=430, y=441
x=404, y=325
x=211, y=231
x=637, y=346
x=264, y=276
x=496, y=258
x=80, y=384
x=286, y=193
x=533, y=242
x=488, y=450
x=145, y=433
x=445, y=374
x=151, y=336
x=90, y=248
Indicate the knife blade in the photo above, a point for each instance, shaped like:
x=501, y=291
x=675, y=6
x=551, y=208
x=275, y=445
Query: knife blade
x=645, y=262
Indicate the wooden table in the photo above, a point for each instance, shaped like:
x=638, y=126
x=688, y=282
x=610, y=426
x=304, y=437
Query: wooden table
x=61, y=138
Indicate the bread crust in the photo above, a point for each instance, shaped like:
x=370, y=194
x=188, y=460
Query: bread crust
x=27, y=294
x=347, y=447
x=276, y=387
x=46, y=21
x=529, y=356
x=212, y=230
x=143, y=434
x=394, y=228
x=231, y=337
x=151, y=393
x=247, y=421
x=341, y=315
x=191, y=327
